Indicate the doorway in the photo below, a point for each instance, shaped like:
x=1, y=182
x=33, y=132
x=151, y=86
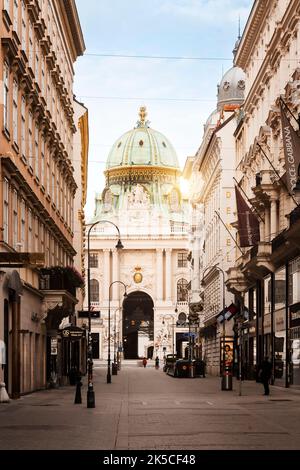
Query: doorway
x=138, y=325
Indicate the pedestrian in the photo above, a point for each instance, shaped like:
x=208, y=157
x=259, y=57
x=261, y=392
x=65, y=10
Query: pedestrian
x=264, y=373
x=144, y=362
x=157, y=362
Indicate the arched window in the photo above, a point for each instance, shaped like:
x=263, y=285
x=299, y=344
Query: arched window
x=94, y=286
x=182, y=291
x=181, y=318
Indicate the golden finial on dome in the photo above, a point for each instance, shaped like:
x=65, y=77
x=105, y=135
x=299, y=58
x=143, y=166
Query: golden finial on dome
x=143, y=114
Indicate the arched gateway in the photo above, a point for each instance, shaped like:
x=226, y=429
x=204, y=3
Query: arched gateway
x=138, y=325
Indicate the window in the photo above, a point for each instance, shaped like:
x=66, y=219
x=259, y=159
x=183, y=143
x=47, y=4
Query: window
x=47, y=237
x=30, y=45
x=16, y=15
x=37, y=69
x=182, y=290
x=6, y=98
x=30, y=230
x=23, y=32
x=36, y=149
x=181, y=319
x=7, y=5
x=43, y=161
x=94, y=287
x=23, y=129
x=23, y=224
x=228, y=242
x=36, y=234
x=93, y=260
x=43, y=82
x=182, y=260
x=5, y=210
x=228, y=194
x=15, y=111
x=52, y=245
x=30, y=138
x=42, y=237
x=15, y=220
x=228, y=210
x=48, y=176
x=294, y=281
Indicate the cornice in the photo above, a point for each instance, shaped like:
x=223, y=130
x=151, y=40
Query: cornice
x=128, y=172
x=253, y=26
x=275, y=50
x=84, y=132
x=73, y=27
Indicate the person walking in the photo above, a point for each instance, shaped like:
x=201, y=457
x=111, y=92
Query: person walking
x=157, y=362
x=265, y=372
x=144, y=362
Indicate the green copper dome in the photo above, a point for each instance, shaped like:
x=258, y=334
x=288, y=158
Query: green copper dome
x=142, y=146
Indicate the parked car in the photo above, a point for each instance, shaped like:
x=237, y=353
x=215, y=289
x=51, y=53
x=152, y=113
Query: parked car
x=169, y=361
x=182, y=368
x=179, y=368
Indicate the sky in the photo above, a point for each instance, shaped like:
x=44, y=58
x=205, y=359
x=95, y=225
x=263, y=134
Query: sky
x=179, y=94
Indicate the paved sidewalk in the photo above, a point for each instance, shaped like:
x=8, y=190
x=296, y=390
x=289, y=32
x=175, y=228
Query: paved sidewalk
x=146, y=409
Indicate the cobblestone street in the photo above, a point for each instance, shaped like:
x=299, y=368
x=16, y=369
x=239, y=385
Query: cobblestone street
x=146, y=409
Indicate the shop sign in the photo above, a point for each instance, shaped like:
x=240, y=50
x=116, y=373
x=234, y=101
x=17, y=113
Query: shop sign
x=53, y=346
x=72, y=333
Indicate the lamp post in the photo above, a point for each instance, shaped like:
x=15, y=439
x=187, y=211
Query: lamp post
x=108, y=377
x=225, y=385
x=90, y=391
x=115, y=363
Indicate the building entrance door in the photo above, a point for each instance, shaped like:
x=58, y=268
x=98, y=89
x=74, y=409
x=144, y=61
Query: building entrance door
x=138, y=325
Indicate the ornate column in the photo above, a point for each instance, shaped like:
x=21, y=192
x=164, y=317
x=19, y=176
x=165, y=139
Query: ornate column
x=267, y=225
x=116, y=275
x=159, y=273
x=106, y=274
x=273, y=218
x=168, y=273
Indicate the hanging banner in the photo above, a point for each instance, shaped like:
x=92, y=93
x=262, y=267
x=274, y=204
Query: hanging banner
x=291, y=147
x=248, y=224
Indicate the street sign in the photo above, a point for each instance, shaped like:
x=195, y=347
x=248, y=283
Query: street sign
x=85, y=314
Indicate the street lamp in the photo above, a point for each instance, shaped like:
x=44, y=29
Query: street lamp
x=224, y=384
x=115, y=364
x=108, y=377
x=90, y=391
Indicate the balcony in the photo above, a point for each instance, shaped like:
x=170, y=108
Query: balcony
x=58, y=285
x=60, y=278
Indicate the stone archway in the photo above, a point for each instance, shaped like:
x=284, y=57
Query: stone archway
x=138, y=325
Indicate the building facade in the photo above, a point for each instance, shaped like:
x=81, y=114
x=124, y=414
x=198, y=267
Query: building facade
x=40, y=41
x=265, y=278
x=142, y=197
x=213, y=199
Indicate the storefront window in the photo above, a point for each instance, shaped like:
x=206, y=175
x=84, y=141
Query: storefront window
x=279, y=325
x=267, y=295
x=294, y=281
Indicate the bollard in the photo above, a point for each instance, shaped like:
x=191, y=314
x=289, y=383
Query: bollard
x=4, y=398
x=227, y=378
x=78, y=392
x=114, y=368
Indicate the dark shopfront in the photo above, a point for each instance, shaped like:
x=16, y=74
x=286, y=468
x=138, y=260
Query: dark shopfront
x=73, y=347
x=271, y=326
x=66, y=351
